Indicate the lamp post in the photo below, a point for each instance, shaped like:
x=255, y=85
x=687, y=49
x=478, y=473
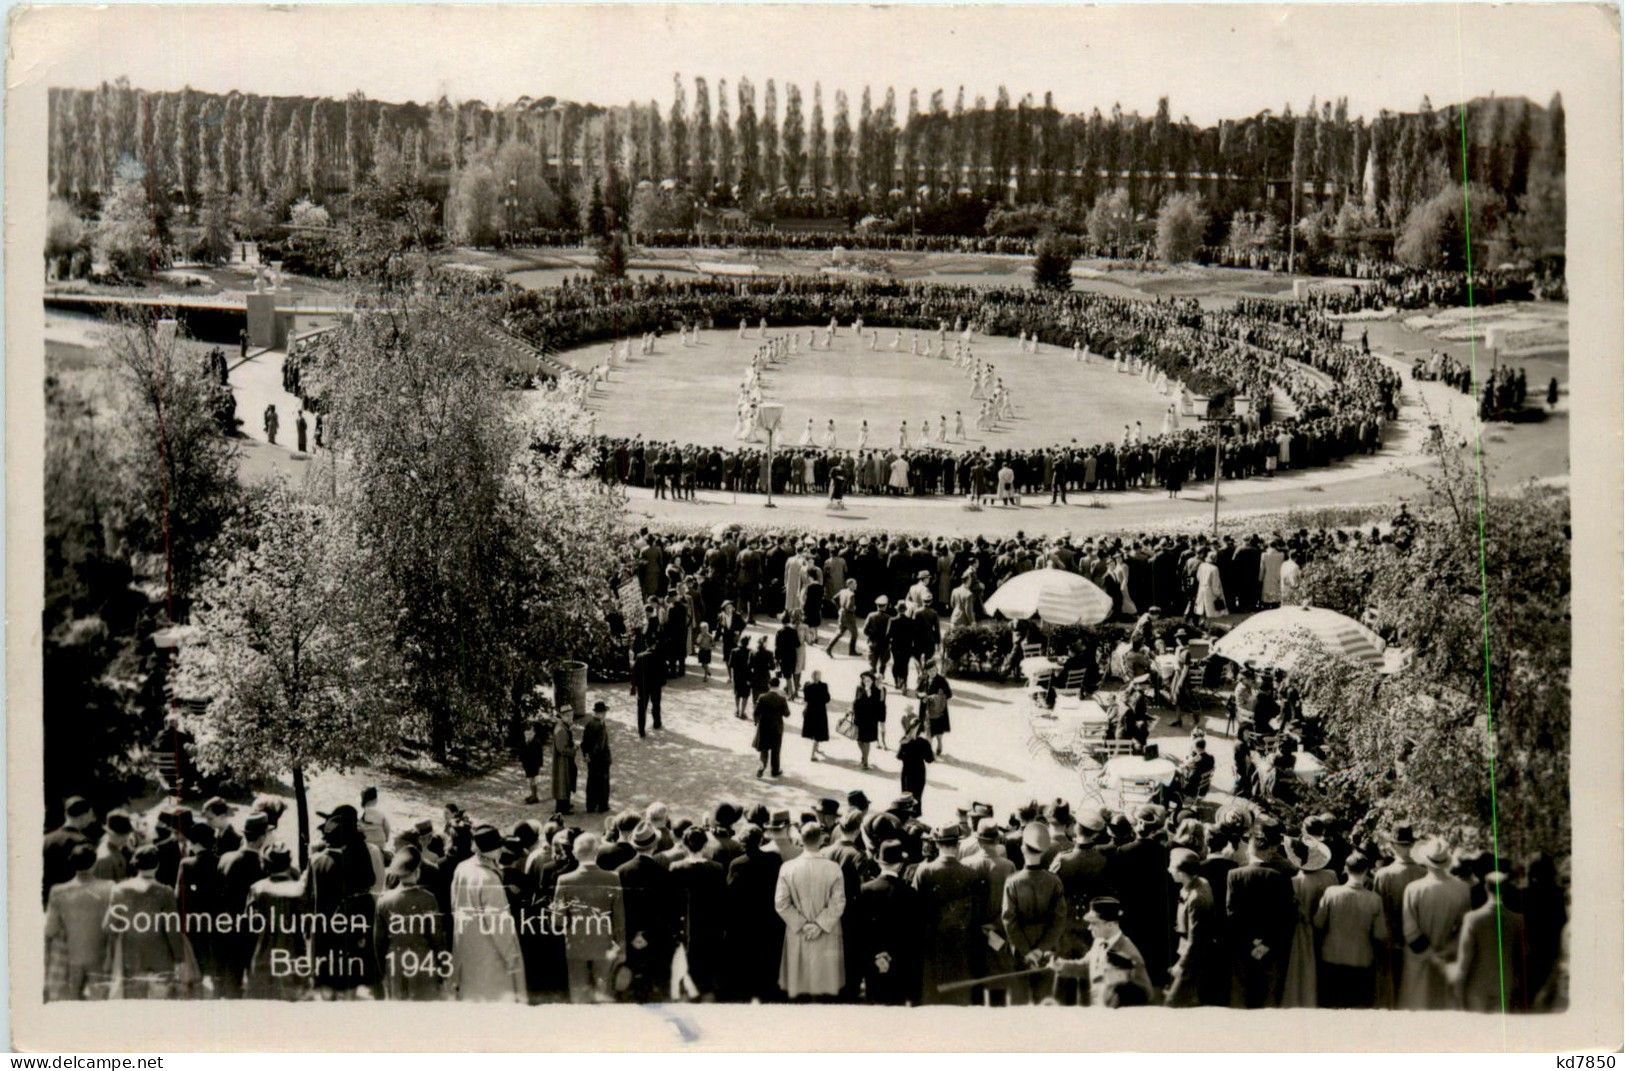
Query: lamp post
x=768, y=415
x=1220, y=426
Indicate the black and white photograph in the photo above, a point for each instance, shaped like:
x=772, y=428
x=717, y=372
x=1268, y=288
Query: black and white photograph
x=1033, y=510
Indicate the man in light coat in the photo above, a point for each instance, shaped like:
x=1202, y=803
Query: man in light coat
x=1269, y=575
x=810, y=897
x=1433, y=908
x=1389, y=882
x=1210, y=600
x=486, y=961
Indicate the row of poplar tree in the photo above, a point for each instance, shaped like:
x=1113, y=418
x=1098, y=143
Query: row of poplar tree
x=731, y=146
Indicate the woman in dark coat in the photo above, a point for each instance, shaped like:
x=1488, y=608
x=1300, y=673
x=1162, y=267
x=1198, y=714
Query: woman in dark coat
x=868, y=712
x=812, y=597
x=913, y=753
x=739, y=671
x=815, y=715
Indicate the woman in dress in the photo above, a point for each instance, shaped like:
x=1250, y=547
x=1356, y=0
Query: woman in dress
x=1309, y=884
x=869, y=713
x=815, y=716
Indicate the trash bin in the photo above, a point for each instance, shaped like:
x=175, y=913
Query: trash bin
x=570, y=687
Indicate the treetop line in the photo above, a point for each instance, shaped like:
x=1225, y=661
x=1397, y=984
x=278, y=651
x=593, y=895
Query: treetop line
x=731, y=150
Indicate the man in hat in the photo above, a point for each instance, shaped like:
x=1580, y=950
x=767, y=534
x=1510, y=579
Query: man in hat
x=700, y=887
x=648, y=681
x=1035, y=914
x=588, y=909
x=1389, y=882
x=829, y=814
x=1059, y=817
x=77, y=818
x=1082, y=871
x=856, y=800
x=1354, y=935
x=876, y=634
x=240, y=871
x=920, y=591
x=151, y=956
x=277, y=906
x=769, y=715
x=76, y=928
x=651, y=919
x=993, y=952
x=409, y=934
x=113, y=853
x=339, y=880
x=888, y=942
x=1261, y=912
x=1138, y=871
x=846, y=851
x=197, y=892
x=1431, y=914
x=1199, y=959
x=926, y=635
x=1112, y=960
x=952, y=900
x=755, y=936
x=722, y=847
x=486, y=961
x=1489, y=968
x=1223, y=843
x=810, y=896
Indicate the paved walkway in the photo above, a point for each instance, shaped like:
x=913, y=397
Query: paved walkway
x=703, y=756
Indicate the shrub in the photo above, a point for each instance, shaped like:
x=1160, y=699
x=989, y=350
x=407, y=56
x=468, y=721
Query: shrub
x=1052, y=263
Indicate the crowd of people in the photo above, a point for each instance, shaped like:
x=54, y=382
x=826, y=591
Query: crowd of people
x=839, y=901
x=1382, y=283
x=771, y=574
x=1343, y=396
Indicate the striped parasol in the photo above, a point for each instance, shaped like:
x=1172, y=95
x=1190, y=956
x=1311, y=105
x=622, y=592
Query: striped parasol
x=1054, y=595
x=1278, y=637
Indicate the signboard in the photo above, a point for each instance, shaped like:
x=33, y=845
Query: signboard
x=632, y=603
